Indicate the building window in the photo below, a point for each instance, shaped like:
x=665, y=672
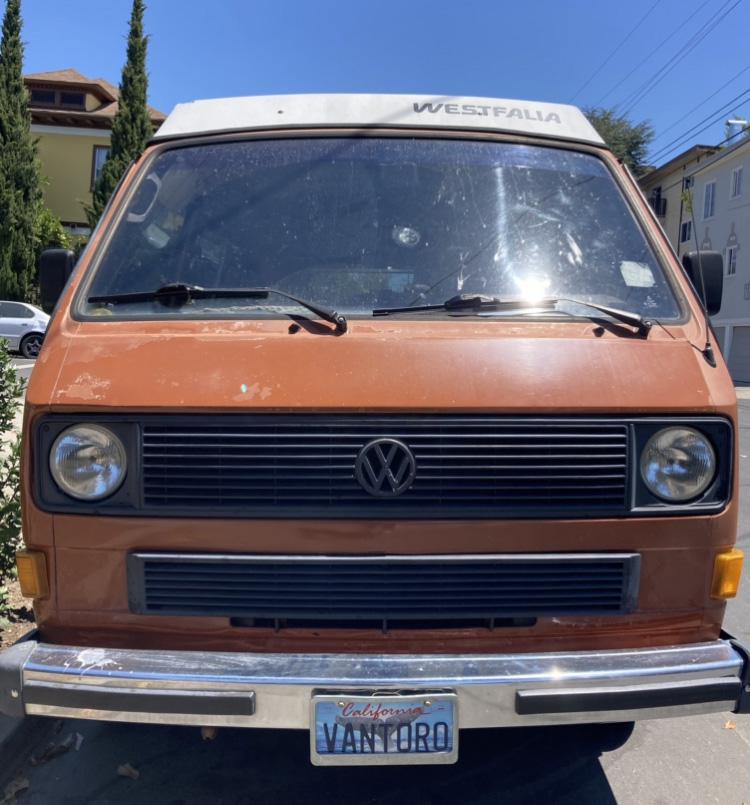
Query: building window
x=58, y=98
x=735, y=183
x=101, y=152
x=76, y=100
x=43, y=97
x=658, y=204
x=686, y=231
x=730, y=259
x=709, y=200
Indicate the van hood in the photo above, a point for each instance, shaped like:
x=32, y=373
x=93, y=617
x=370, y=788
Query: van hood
x=561, y=367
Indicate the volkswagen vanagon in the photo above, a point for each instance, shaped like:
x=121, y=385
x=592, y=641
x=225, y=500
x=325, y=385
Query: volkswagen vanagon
x=382, y=418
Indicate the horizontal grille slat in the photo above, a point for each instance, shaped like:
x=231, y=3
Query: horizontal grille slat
x=302, y=598
x=308, y=575
x=489, y=442
x=440, y=430
x=520, y=495
x=318, y=617
x=382, y=589
x=465, y=466
x=173, y=450
x=478, y=487
x=561, y=471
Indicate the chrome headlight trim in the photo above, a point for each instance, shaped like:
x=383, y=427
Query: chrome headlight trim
x=678, y=463
x=102, y=482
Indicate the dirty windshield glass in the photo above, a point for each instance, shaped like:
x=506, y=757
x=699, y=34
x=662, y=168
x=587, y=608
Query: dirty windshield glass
x=358, y=224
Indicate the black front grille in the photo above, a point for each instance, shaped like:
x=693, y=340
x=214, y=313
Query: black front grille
x=283, y=465
x=276, y=588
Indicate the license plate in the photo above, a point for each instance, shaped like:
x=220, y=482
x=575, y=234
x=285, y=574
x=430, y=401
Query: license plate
x=389, y=729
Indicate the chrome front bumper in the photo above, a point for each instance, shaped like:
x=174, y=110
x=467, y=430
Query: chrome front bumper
x=274, y=690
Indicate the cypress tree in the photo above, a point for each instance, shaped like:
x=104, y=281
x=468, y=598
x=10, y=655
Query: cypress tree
x=20, y=185
x=131, y=128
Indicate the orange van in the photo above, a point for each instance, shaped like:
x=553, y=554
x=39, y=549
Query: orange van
x=380, y=417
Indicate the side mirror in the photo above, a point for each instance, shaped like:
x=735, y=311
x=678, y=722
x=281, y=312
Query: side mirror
x=712, y=264
x=55, y=268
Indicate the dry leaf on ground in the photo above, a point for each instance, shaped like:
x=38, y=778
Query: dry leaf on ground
x=126, y=770
x=14, y=787
x=52, y=750
x=730, y=725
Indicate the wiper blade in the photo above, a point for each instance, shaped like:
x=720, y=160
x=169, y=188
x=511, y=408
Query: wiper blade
x=479, y=302
x=465, y=302
x=177, y=294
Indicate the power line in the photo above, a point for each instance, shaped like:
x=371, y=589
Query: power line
x=715, y=117
x=613, y=52
x=697, y=38
x=704, y=101
x=635, y=98
x=653, y=53
x=708, y=126
x=722, y=110
x=641, y=91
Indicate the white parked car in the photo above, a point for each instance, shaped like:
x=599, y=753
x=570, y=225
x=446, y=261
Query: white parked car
x=23, y=327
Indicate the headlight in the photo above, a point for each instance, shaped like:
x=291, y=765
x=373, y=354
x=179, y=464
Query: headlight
x=88, y=462
x=678, y=464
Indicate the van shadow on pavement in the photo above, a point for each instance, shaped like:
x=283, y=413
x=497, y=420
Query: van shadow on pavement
x=554, y=764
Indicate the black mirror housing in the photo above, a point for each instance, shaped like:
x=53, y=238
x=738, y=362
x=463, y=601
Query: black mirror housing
x=712, y=265
x=55, y=268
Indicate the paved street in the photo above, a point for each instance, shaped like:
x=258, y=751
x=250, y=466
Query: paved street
x=695, y=760
x=23, y=366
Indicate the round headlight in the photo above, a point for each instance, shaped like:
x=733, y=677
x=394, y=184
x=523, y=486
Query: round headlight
x=678, y=464
x=88, y=462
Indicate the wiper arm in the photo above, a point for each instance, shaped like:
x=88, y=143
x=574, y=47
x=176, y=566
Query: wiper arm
x=625, y=316
x=177, y=294
x=479, y=302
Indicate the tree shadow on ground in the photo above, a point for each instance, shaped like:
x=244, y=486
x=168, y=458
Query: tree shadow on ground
x=175, y=767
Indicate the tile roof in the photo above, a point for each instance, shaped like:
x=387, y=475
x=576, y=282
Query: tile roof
x=101, y=117
x=68, y=74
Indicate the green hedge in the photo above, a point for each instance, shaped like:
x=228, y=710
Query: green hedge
x=11, y=389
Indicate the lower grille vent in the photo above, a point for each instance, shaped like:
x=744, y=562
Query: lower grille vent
x=270, y=590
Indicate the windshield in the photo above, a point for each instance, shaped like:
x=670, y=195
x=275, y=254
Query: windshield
x=364, y=223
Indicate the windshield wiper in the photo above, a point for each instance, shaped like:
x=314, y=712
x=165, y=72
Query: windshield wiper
x=479, y=302
x=177, y=294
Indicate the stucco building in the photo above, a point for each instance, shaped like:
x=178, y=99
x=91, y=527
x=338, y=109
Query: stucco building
x=719, y=185
x=71, y=117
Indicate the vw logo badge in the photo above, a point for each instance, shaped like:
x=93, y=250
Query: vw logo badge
x=385, y=468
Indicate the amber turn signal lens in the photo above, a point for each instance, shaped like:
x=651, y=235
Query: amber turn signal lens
x=32, y=573
x=727, y=573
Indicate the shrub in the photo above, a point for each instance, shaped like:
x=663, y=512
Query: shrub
x=49, y=233
x=11, y=388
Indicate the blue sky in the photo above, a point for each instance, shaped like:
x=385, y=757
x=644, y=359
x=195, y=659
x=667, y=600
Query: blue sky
x=534, y=49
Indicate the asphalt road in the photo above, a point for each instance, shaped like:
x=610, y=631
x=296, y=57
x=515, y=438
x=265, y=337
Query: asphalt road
x=23, y=366
x=698, y=760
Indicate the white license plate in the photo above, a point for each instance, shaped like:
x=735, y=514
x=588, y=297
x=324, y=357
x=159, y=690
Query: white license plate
x=372, y=729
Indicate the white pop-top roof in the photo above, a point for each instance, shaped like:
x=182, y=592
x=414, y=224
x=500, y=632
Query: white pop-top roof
x=315, y=111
